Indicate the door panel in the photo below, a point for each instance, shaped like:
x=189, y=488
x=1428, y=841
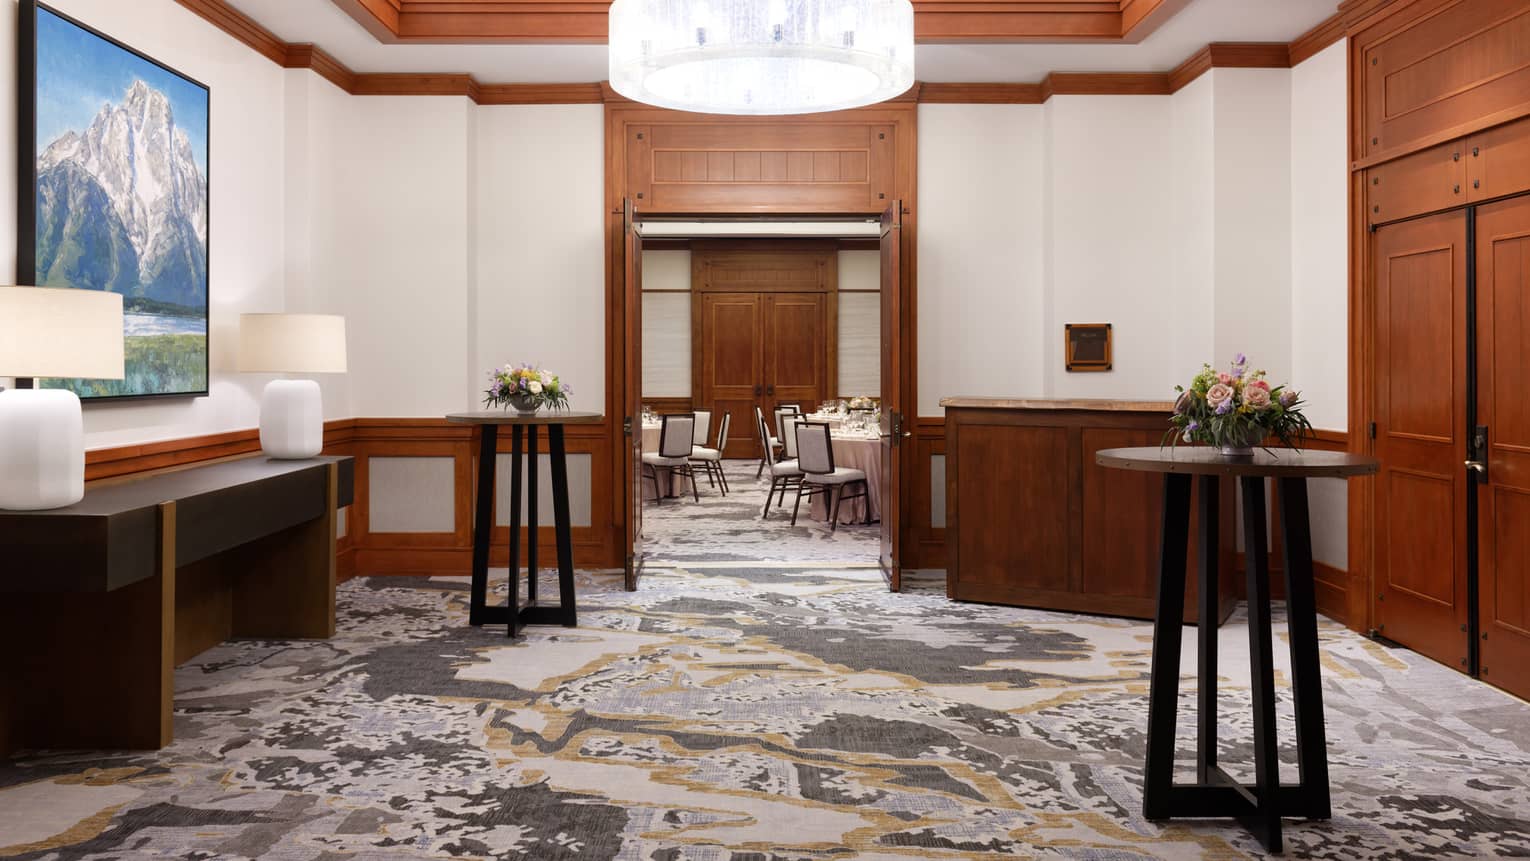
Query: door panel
x=1421, y=576
x=892, y=393
x=1503, y=350
x=632, y=263
x=730, y=358
x=796, y=349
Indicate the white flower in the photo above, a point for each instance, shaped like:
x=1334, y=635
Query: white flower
x=535, y=387
x=546, y=379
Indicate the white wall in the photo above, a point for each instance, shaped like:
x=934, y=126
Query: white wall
x=1320, y=235
x=1110, y=238
x=245, y=266
x=980, y=251
x=541, y=246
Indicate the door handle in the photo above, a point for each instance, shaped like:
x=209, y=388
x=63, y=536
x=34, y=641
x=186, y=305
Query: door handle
x=770, y=390
x=1478, y=467
x=756, y=391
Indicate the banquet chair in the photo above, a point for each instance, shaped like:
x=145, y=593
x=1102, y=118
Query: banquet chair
x=703, y=429
x=711, y=458
x=770, y=443
x=815, y=458
x=674, y=455
x=783, y=474
x=782, y=411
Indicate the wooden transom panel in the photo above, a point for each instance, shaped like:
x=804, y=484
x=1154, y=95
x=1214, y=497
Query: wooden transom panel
x=1459, y=63
x=741, y=167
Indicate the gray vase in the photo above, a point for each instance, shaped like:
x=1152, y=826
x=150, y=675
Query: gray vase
x=525, y=404
x=1252, y=440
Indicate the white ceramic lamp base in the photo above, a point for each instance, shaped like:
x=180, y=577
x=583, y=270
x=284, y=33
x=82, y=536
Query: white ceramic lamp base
x=42, y=449
x=291, y=419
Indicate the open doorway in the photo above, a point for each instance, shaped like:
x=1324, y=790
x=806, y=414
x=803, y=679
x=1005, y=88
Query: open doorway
x=764, y=341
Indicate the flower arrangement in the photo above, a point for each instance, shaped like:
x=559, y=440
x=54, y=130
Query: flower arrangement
x=526, y=388
x=1236, y=410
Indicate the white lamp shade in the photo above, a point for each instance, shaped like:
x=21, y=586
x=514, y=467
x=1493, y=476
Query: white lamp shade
x=52, y=332
x=292, y=343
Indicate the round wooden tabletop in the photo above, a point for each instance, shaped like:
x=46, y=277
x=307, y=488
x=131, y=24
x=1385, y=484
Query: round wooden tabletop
x=1204, y=460
x=511, y=417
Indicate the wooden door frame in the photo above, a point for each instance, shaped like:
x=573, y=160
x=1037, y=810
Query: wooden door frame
x=901, y=114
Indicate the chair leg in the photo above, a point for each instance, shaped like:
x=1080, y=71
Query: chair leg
x=834, y=497
x=722, y=477
x=691, y=474
x=761, y=469
x=866, y=492
x=710, y=481
x=769, y=495
x=798, y=504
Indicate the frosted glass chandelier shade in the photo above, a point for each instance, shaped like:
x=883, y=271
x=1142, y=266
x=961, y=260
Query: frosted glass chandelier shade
x=761, y=56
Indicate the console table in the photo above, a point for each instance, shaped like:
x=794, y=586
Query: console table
x=99, y=601
x=512, y=614
x=1261, y=805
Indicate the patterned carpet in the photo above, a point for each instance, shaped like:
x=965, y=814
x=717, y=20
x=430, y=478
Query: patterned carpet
x=729, y=528
x=765, y=714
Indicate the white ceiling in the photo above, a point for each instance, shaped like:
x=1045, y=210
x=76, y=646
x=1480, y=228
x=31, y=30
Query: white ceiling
x=1202, y=21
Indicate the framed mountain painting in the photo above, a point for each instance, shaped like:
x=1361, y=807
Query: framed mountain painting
x=112, y=168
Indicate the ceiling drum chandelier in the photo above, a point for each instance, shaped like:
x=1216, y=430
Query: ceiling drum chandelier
x=761, y=56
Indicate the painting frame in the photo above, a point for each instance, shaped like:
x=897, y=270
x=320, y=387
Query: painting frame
x=27, y=188
x=1087, y=347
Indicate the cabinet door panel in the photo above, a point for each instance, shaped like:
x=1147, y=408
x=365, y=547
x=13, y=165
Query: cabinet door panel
x=796, y=348
x=730, y=357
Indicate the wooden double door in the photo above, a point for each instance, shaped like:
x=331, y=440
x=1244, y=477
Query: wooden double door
x=759, y=349
x=1452, y=431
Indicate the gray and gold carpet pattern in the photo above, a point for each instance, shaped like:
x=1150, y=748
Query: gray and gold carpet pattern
x=729, y=528
x=747, y=714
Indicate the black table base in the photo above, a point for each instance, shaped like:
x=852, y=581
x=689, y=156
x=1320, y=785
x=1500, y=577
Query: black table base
x=511, y=613
x=1258, y=806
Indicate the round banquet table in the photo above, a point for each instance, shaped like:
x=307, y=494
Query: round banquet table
x=1260, y=805
x=667, y=487
x=862, y=452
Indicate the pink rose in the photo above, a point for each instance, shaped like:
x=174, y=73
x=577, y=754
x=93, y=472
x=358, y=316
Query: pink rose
x=1261, y=384
x=1218, y=393
x=1225, y=378
x=1257, y=397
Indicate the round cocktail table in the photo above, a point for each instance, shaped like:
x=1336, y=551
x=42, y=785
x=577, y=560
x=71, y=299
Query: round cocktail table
x=512, y=614
x=1259, y=806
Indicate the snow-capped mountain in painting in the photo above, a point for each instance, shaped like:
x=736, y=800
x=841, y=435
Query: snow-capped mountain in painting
x=122, y=206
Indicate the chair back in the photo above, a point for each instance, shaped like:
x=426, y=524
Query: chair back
x=815, y=453
x=789, y=435
x=782, y=411
x=703, y=426
x=764, y=431
x=677, y=435
x=722, y=432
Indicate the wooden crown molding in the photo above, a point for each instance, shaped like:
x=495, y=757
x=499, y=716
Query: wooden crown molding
x=584, y=21
x=1264, y=55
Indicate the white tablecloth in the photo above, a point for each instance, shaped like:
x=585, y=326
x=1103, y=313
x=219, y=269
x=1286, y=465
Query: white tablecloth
x=651, y=444
x=865, y=454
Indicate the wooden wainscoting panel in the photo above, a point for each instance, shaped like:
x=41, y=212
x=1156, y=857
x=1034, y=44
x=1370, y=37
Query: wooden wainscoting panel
x=925, y=543
x=677, y=163
x=1427, y=181
x=1436, y=66
x=1498, y=162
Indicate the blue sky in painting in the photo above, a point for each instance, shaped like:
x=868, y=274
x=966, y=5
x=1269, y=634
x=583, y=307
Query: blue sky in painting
x=78, y=72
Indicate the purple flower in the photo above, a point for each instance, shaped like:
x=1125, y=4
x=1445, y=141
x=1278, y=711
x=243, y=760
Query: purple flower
x=1288, y=397
x=1225, y=407
x=1240, y=360
x=1194, y=425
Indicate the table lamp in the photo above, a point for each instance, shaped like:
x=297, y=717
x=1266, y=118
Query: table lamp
x=292, y=411
x=47, y=332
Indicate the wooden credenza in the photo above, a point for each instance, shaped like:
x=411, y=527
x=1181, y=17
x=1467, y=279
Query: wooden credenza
x=1033, y=521
x=101, y=600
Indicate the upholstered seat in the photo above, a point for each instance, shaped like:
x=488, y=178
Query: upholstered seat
x=656, y=459
x=840, y=475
